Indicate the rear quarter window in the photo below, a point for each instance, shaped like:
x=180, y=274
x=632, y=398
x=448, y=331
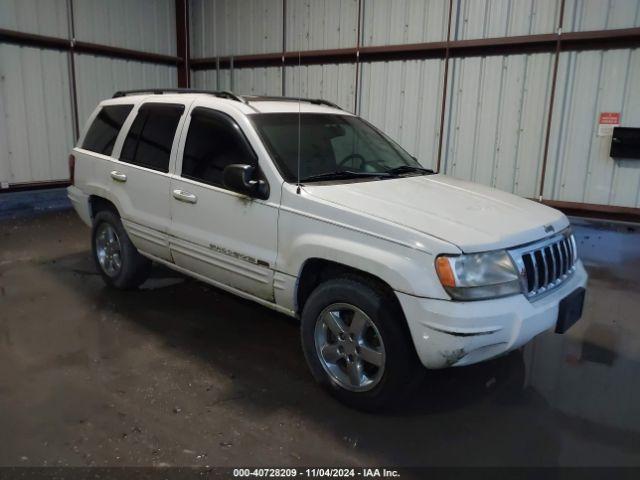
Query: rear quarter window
x=102, y=134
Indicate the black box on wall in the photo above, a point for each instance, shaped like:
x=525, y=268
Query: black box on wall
x=625, y=143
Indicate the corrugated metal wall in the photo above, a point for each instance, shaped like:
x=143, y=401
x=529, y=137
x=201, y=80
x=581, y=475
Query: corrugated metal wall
x=41, y=17
x=497, y=106
x=246, y=81
x=581, y=15
x=36, y=115
x=404, y=21
x=494, y=124
x=235, y=27
x=258, y=81
x=502, y=18
x=404, y=100
x=333, y=82
x=98, y=78
x=499, y=18
x=580, y=169
x=212, y=79
x=146, y=25
x=321, y=24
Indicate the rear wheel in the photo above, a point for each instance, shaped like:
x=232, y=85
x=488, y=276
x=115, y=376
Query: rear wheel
x=356, y=344
x=118, y=261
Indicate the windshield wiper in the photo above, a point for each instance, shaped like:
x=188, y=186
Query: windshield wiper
x=342, y=174
x=409, y=169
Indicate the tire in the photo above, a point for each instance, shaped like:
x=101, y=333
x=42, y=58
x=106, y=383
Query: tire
x=132, y=269
x=400, y=370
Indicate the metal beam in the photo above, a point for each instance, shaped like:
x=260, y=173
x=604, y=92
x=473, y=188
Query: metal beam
x=33, y=40
x=284, y=49
x=546, y=42
x=357, y=79
x=182, y=42
x=42, y=41
x=552, y=98
x=594, y=210
x=72, y=73
x=443, y=103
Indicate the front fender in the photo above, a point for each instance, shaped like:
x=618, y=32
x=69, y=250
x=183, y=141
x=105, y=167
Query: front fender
x=404, y=269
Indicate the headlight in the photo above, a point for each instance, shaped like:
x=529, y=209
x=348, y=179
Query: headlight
x=478, y=275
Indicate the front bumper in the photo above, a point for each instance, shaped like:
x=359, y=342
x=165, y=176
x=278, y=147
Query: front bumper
x=447, y=333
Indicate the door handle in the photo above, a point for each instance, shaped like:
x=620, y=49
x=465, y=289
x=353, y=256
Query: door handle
x=118, y=176
x=184, y=196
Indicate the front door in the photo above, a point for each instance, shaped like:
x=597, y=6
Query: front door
x=222, y=235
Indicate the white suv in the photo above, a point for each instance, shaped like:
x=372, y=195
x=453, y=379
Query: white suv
x=310, y=210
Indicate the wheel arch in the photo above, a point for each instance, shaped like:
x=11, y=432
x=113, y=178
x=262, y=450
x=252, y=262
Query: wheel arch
x=98, y=203
x=316, y=270
x=399, y=267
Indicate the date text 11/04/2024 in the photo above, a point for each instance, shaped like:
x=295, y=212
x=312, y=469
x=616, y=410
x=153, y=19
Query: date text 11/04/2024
x=316, y=472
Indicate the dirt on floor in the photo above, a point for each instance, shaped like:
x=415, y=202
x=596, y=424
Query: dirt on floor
x=180, y=373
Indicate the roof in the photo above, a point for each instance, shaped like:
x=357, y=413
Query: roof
x=247, y=104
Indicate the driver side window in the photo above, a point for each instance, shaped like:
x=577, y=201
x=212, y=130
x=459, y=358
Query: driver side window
x=214, y=141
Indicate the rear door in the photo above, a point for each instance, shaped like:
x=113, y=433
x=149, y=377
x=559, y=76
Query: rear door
x=140, y=177
x=222, y=235
x=95, y=151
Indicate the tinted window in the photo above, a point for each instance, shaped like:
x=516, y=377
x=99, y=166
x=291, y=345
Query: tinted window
x=213, y=142
x=150, y=137
x=104, y=130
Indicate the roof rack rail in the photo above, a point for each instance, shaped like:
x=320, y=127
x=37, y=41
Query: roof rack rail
x=316, y=101
x=321, y=101
x=160, y=91
x=246, y=99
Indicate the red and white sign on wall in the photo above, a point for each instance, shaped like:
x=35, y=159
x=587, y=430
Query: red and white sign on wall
x=606, y=122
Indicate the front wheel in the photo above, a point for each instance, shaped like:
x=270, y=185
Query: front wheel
x=356, y=344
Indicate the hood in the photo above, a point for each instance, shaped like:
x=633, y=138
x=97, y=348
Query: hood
x=473, y=217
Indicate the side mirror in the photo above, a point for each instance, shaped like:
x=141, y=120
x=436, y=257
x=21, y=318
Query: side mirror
x=240, y=178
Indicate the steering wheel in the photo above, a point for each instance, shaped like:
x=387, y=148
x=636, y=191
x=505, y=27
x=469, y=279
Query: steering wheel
x=351, y=156
x=377, y=164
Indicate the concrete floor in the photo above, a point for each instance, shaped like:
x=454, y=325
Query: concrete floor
x=180, y=373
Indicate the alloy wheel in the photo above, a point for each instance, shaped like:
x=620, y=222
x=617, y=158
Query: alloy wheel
x=349, y=347
x=108, y=249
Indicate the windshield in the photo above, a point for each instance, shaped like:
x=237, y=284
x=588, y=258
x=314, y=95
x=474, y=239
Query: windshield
x=328, y=144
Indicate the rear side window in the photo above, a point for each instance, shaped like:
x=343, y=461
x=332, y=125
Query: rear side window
x=150, y=137
x=213, y=142
x=104, y=130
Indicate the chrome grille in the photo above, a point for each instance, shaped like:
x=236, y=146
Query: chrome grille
x=546, y=264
